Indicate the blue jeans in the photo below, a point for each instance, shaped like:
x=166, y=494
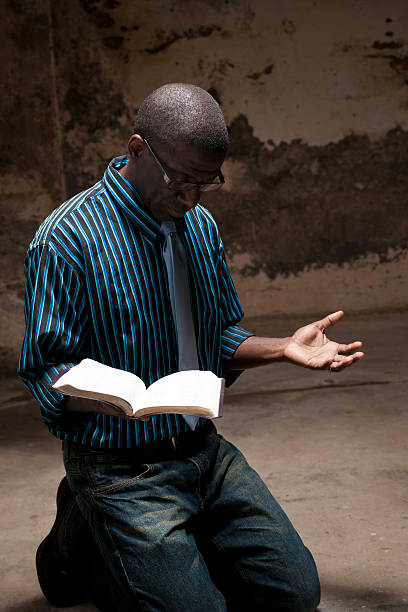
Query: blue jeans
x=188, y=525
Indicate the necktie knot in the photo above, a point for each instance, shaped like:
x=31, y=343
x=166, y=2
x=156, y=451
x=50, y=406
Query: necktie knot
x=172, y=239
x=167, y=228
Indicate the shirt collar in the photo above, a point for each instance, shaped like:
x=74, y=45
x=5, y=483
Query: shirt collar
x=126, y=196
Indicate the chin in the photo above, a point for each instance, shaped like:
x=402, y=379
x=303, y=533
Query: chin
x=175, y=213
x=161, y=215
x=170, y=211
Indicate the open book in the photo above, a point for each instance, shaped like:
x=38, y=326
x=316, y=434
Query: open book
x=189, y=392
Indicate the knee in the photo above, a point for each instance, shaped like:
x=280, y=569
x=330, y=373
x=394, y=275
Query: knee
x=294, y=589
x=308, y=597
x=306, y=588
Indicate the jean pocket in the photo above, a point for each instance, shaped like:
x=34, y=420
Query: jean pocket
x=107, y=478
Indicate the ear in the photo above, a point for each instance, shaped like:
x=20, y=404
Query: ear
x=136, y=146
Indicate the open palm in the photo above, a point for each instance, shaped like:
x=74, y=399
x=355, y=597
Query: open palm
x=310, y=347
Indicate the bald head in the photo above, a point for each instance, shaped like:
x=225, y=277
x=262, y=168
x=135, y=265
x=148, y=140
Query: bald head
x=182, y=113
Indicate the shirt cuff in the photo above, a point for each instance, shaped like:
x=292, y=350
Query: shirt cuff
x=231, y=338
x=52, y=402
x=55, y=372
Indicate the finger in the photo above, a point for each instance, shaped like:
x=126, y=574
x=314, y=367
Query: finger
x=338, y=365
x=339, y=361
x=346, y=348
x=330, y=320
x=341, y=358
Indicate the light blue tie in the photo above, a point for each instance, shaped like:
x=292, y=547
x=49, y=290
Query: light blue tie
x=176, y=265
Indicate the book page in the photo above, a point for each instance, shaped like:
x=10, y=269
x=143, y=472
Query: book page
x=98, y=381
x=194, y=410
x=187, y=388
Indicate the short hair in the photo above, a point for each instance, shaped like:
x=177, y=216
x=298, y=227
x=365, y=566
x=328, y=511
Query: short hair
x=181, y=112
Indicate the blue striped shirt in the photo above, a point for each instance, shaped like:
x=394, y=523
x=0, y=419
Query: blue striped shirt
x=96, y=286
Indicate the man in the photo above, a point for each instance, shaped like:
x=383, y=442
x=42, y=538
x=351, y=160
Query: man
x=161, y=514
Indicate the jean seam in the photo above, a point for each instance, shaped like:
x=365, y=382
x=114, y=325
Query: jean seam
x=114, y=487
x=114, y=548
x=197, y=465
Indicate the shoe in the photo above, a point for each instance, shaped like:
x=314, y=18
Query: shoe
x=58, y=581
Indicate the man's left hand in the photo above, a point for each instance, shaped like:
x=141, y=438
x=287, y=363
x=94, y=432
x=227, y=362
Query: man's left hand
x=310, y=347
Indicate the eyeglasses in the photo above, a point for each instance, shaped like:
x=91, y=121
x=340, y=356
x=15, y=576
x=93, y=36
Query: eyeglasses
x=176, y=185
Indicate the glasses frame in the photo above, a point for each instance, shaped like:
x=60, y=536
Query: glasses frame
x=176, y=185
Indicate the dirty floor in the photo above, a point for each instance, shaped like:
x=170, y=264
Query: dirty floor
x=331, y=447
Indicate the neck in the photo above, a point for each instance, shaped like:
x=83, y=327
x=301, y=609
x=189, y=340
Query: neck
x=131, y=176
x=127, y=175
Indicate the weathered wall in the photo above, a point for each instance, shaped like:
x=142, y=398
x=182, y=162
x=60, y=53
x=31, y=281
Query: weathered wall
x=316, y=97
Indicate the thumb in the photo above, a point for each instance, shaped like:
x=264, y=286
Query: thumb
x=329, y=320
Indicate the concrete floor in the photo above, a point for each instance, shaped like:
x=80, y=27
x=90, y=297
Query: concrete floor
x=332, y=448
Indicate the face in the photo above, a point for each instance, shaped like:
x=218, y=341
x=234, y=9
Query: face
x=186, y=163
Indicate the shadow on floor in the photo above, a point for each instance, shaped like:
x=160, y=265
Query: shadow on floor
x=348, y=597
x=41, y=605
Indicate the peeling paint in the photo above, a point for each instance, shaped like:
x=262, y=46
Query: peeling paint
x=214, y=93
x=93, y=106
x=255, y=75
x=307, y=206
x=113, y=42
x=398, y=63
x=99, y=18
x=288, y=26
x=387, y=45
x=165, y=41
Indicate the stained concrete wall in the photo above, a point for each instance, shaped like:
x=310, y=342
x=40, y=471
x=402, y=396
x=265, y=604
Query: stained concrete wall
x=315, y=94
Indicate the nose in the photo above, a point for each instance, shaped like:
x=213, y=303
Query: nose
x=188, y=198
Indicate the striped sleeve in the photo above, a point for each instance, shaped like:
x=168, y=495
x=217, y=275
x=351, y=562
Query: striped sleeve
x=231, y=313
x=56, y=324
